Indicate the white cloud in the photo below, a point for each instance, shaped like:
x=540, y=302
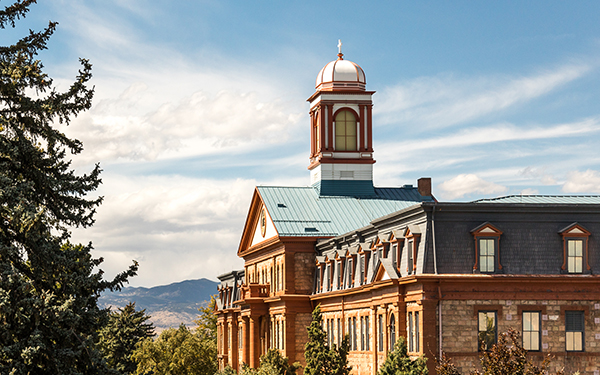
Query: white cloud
x=465, y=184
x=582, y=182
x=436, y=102
x=529, y=192
x=172, y=225
x=538, y=174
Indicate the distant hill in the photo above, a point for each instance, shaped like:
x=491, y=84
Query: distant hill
x=168, y=305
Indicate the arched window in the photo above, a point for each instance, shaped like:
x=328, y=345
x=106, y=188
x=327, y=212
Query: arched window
x=345, y=131
x=392, y=331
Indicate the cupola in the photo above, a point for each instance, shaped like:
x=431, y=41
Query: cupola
x=341, y=154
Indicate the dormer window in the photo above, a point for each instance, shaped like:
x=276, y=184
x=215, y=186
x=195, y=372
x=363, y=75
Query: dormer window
x=345, y=131
x=575, y=249
x=487, y=240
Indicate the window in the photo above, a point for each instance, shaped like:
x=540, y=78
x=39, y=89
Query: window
x=575, y=255
x=339, y=275
x=350, y=333
x=354, y=338
x=318, y=288
x=575, y=249
x=392, y=331
x=574, y=327
x=350, y=272
x=339, y=332
x=487, y=254
x=531, y=330
x=380, y=346
x=328, y=277
x=394, y=256
x=410, y=256
x=411, y=333
x=417, y=335
x=240, y=337
x=362, y=269
x=345, y=131
x=368, y=341
x=488, y=333
x=362, y=333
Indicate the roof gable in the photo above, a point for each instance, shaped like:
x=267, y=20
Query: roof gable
x=259, y=227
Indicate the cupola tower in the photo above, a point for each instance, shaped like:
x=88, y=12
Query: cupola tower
x=341, y=144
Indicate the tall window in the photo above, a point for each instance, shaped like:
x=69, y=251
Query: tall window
x=488, y=330
x=339, y=332
x=318, y=282
x=487, y=254
x=350, y=333
x=380, y=343
x=574, y=327
x=339, y=275
x=362, y=333
x=411, y=333
x=345, y=131
x=328, y=277
x=575, y=255
x=354, y=345
x=394, y=256
x=392, y=331
x=531, y=330
x=368, y=343
x=350, y=272
x=363, y=264
x=411, y=245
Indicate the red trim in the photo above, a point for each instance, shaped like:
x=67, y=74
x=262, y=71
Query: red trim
x=321, y=128
x=361, y=109
x=313, y=145
x=566, y=236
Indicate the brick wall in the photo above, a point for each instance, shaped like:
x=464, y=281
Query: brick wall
x=304, y=270
x=459, y=322
x=302, y=322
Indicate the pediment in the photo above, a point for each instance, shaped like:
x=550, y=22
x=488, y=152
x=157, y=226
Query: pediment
x=574, y=229
x=486, y=228
x=259, y=227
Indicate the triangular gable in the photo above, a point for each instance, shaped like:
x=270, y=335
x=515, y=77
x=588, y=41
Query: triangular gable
x=384, y=271
x=258, y=221
x=486, y=228
x=574, y=229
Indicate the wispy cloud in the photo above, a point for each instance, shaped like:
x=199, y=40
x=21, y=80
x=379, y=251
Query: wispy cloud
x=437, y=102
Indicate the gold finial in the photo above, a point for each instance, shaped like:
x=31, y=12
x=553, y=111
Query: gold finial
x=340, y=54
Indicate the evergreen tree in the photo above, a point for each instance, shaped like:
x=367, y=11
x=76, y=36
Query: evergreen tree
x=118, y=339
x=49, y=288
x=398, y=362
x=320, y=359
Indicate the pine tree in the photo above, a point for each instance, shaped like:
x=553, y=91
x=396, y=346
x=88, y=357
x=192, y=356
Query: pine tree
x=320, y=359
x=398, y=362
x=49, y=288
x=118, y=339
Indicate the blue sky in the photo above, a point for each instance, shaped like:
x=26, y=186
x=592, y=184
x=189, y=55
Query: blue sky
x=197, y=102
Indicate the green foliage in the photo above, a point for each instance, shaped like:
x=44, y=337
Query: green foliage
x=49, y=288
x=226, y=371
x=207, y=321
x=509, y=357
x=320, y=359
x=176, y=352
x=273, y=363
x=117, y=339
x=398, y=362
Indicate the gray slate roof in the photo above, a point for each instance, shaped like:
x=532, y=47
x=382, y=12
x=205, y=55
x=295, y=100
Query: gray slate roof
x=300, y=211
x=544, y=199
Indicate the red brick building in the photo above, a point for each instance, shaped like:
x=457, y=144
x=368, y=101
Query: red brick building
x=390, y=262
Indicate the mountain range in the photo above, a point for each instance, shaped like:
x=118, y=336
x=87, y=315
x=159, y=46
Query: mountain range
x=167, y=305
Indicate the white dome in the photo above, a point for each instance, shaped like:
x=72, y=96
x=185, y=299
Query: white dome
x=341, y=74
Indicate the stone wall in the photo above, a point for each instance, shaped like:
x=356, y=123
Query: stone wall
x=304, y=270
x=459, y=337
x=302, y=321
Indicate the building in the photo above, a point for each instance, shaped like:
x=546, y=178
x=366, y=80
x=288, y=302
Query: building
x=390, y=262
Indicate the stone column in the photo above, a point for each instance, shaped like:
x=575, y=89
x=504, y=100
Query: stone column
x=254, y=342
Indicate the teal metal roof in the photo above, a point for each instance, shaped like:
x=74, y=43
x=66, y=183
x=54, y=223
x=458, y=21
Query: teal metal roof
x=544, y=199
x=300, y=211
